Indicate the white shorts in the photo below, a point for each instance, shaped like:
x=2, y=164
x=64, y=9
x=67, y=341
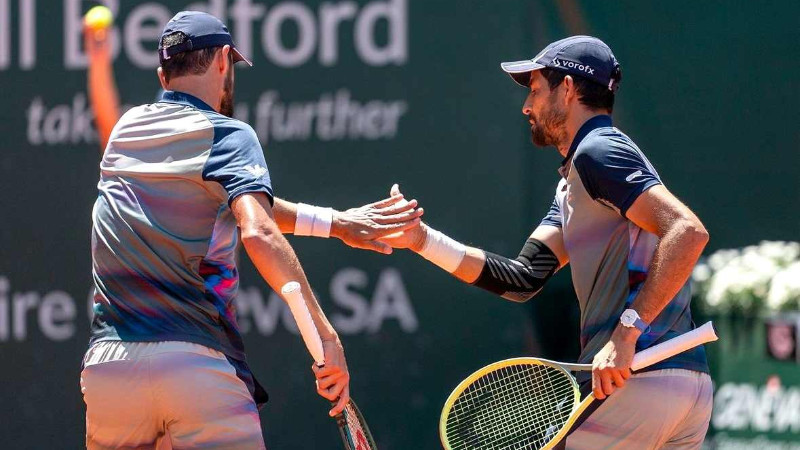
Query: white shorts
x=165, y=395
x=661, y=409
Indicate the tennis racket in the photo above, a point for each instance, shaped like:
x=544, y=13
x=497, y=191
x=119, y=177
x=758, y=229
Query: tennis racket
x=352, y=427
x=532, y=403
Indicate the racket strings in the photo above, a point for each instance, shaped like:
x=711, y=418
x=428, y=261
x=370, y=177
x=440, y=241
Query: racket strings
x=516, y=407
x=359, y=433
x=512, y=430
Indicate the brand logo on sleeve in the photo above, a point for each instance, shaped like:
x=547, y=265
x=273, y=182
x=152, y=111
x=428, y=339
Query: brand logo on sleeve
x=256, y=170
x=631, y=177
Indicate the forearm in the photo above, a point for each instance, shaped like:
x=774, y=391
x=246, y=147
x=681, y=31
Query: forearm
x=285, y=213
x=306, y=220
x=516, y=279
x=277, y=263
x=106, y=108
x=463, y=262
x=673, y=261
x=471, y=266
x=103, y=97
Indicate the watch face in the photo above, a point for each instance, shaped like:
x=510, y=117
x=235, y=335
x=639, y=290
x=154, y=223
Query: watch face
x=628, y=318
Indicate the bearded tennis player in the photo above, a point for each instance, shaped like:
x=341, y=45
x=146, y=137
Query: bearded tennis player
x=181, y=184
x=631, y=246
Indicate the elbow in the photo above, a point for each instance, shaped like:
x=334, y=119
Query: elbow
x=252, y=236
x=696, y=234
x=519, y=297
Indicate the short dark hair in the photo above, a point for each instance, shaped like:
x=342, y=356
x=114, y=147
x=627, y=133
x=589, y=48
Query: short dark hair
x=590, y=93
x=193, y=62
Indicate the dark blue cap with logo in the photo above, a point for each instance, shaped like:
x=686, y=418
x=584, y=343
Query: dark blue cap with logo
x=582, y=56
x=202, y=30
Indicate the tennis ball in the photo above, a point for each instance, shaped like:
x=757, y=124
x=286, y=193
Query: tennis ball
x=98, y=18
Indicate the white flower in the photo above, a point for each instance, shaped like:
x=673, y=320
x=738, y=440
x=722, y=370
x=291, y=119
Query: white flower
x=721, y=258
x=759, y=270
x=779, y=251
x=785, y=287
x=730, y=280
x=751, y=278
x=701, y=273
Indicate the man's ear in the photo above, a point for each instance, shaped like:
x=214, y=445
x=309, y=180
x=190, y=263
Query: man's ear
x=223, y=58
x=162, y=78
x=569, y=89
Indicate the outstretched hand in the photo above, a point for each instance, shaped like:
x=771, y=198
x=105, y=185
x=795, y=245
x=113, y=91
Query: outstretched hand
x=362, y=227
x=412, y=238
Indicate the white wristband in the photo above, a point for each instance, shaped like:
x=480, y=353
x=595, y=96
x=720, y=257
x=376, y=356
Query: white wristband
x=313, y=221
x=443, y=251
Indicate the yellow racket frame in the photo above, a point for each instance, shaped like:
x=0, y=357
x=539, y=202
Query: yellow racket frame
x=577, y=409
x=642, y=359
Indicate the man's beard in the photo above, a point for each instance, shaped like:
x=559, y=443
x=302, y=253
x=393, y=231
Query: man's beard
x=226, y=104
x=549, y=128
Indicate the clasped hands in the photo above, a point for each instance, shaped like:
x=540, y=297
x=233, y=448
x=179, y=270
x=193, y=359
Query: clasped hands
x=382, y=225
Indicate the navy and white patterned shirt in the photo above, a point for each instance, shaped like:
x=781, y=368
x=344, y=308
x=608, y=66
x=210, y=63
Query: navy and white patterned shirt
x=164, y=239
x=603, y=174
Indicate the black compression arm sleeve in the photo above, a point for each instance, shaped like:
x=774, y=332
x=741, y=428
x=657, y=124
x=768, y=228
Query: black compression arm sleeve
x=521, y=278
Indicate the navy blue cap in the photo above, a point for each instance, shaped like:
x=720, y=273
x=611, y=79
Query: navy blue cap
x=582, y=56
x=202, y=30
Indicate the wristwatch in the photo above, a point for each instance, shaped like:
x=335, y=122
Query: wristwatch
x=630, y=318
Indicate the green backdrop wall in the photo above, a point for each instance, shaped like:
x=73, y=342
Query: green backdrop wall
x=401, y=91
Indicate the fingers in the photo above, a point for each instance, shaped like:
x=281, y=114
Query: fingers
x=382, y=226
x=394, y=196
x=98, y=37
x=617, y=378
x=340, y=405
x=606, y=381
x=326, y=386
x=330, y=386
x=597, y=390
x=325, y=392
x=601, y=383
x=398, y=207
x=333, y=384
x=324, y=371
x=333, y=379
x=392, y=236
x=393, y=229
x=397, y=218
x=376, y=246
x=337, y=389
x=385, y=202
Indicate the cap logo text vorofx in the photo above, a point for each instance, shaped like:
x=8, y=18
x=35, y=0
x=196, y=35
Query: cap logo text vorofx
x=573, y=65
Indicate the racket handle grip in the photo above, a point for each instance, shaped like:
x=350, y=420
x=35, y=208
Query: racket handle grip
x=672, y=347
x=293, y=295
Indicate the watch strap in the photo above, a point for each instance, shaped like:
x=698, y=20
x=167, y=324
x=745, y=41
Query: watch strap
x=641, y=325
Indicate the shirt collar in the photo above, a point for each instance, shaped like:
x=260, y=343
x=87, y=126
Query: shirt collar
x=595, y=122
x=185, y=99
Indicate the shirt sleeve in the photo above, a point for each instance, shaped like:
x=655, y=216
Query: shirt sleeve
x=553, y=216
x=615, y=172
x=237, y=161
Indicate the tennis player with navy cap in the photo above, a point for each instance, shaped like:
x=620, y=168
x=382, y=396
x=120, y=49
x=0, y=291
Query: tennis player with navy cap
x=631, y=245
x=181, y=183
x=202, y=30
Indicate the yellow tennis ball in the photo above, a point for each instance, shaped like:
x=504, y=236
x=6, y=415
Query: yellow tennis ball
x=98, y=18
